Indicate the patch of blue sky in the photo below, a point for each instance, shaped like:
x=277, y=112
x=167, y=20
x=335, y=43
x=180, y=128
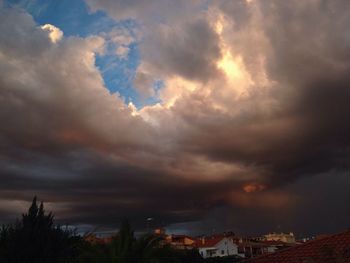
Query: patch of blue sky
x=74, y=18
x=119, y=73
x=157, y=86
x=71, y=16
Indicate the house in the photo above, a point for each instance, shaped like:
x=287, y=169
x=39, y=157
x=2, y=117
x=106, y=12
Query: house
x=180, y=241
x=273, y=246
x=330, y=249
x=249, y=248
x=287, y=238
x=216, y=246
x=93, y=239
x=159, y=231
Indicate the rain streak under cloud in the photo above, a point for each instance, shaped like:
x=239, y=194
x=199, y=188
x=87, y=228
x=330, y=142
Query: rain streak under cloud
x=235, y=116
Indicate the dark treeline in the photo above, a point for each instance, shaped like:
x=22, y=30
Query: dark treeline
x=36, y=239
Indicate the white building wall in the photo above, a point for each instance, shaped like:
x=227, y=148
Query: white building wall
x=224, y=248
x=207, y=252
x=271, y=249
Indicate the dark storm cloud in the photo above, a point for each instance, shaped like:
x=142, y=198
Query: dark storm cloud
x=103, y=192
x=309, y=137
x=306, y=132
x=190, y=49
x=207, y=153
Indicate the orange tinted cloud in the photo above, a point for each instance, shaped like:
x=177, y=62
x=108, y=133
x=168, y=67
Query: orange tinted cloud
x=270, y=200
x=253, y=187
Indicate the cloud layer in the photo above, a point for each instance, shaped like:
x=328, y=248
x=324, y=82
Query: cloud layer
x=252, y=120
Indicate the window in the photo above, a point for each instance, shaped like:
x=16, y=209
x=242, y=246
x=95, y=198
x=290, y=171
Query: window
x=222, y=252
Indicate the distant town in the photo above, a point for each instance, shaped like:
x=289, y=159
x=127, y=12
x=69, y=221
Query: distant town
x=220, y=245
x=36, y=238
x=243, y=248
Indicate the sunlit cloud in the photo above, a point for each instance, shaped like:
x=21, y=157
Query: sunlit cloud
x=55, y=33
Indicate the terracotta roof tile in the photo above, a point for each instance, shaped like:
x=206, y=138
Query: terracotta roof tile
x=182, y=237
x=331, y=249
x=208, y=242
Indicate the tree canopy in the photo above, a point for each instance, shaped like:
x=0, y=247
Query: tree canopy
x=35, y=238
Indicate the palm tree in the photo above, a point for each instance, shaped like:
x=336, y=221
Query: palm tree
x=125, y=248
x=121, y=247
x=148, y=249
x=94, y=253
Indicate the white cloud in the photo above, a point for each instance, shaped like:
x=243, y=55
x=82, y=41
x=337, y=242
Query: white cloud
x=63, y=90
x=55, y=33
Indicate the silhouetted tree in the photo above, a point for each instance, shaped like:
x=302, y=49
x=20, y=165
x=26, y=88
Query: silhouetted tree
x=36, y=239
x=121, y=247
x=148, y=249
x=192, y=256
x=94, y=253
x=125, y=248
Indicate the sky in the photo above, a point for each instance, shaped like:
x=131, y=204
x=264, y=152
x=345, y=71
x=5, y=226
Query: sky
x=207, y=116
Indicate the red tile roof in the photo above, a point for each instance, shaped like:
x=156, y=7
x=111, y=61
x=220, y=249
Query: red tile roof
x=331, y=249
x=93, y=239
x=181, y=237
x=275, y=243
x=208, y=241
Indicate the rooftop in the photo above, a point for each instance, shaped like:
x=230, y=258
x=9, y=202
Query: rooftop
x=330, y=249
x=208, y=241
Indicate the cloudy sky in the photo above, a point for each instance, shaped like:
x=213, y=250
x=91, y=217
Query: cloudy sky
x=204, y=115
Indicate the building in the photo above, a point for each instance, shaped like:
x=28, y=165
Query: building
x=249, y=247
x=159, y=231
x=287, y=238
x=330, y=249
x=180, y=241
x=216, y=246
x=273, y=246
x=93, y=239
